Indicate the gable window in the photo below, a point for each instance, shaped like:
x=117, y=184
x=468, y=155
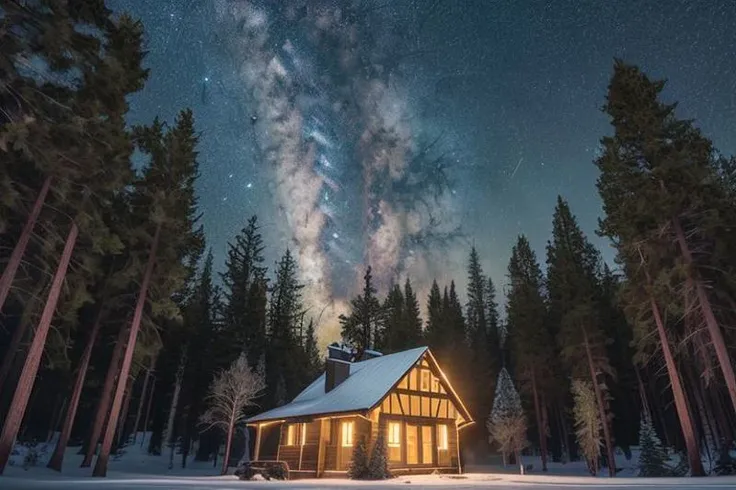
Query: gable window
x=347, y=434
x=425, y=380
x=442, y=437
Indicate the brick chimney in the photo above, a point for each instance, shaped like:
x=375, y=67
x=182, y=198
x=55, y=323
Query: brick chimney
x=337, y=366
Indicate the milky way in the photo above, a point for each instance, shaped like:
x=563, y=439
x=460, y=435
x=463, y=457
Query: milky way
x=397, y=133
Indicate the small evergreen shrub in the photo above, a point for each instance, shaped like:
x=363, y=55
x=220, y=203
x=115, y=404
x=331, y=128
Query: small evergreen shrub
x=358, y=467
x=378, y=466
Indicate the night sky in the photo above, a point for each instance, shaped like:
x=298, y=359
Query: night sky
x=400, y=132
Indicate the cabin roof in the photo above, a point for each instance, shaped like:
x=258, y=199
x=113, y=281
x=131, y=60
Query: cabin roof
x=368, y=383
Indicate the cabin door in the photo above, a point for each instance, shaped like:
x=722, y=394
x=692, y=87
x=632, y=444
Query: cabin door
x=419, y=444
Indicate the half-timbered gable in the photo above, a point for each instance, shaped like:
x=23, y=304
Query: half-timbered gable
x=405, y=395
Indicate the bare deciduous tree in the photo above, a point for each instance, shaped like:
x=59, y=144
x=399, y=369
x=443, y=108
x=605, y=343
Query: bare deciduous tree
x=231, y=392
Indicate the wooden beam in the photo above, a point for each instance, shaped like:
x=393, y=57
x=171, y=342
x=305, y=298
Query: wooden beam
x=322, y=446
x=258, y=443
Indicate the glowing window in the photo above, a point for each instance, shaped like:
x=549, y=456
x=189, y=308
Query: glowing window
x=394, y=434
x=394, y=441
x=441, y=437
x=435, y=385
x=425, y=407
x=415, y=406
x=304, y=434
x=291, y=435
x=347, y=434
x=425, y=381
x=413, y=379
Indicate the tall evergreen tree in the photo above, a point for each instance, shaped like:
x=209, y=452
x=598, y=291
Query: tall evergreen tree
x=284, y=354
x=166, y=194
x=362, y=327
x=244, y=283
x=572, y=263
x=653, y=177
x=393, y=322
x=530, y=342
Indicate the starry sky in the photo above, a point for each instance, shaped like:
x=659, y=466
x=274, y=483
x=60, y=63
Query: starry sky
x=400, y=132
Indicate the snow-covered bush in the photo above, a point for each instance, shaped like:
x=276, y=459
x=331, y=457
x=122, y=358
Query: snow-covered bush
x=587, y=423
x=653, y=456
x=506, y=423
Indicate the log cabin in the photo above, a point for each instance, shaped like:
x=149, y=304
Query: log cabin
x=406, y=395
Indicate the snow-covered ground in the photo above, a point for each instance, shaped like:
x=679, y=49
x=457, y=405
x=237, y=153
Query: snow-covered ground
x=136, y=470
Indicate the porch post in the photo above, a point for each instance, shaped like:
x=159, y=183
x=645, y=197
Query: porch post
x=257, y=453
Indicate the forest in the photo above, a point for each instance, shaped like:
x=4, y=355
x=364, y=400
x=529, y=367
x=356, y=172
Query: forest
x=115, y=322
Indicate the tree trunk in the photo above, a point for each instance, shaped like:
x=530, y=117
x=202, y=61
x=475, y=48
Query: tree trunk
x=19, y=333
x=142, y=400
x=104, y=456
x=6, y=281
x=716, y=336
x=124, y=412
x=643, y=395
x=57, y=459
x=228, y=443
x=563, y=428
x=104, y=404
x=545, y=424
x=148, y=411
x=601, y=408
x=30, y=367
x=683, y=412
x=541, y=428
x=169, y=438
x=56, y=419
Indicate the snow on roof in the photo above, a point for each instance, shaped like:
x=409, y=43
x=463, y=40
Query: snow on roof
x=368, y=383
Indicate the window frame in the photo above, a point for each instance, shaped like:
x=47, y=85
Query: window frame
x=394, y=434
x=291, y=435
x=347, y=429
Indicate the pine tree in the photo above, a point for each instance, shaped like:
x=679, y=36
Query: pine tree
x=587, y=422
x=166, y=191
x=311, y=351
x=412, y=318
x=530, y=341
x=63, y=141
x=361, y=327
x=244, y=283
x=358, y=466
x=652, y=454
x=650, y=168
x=572, y=264
x=284, y=352
x=506, y=423
x=378, y=466
x=435, y=332
x=393, y=322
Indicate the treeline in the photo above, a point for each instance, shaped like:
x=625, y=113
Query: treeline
x=604, y=357
x=112, y=322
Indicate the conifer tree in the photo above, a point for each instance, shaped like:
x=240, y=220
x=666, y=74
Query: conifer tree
x=412, y=318
x=653, y=176
x=362, y=326
x=587, y=422
x=285, y=312
x=63, y=141
x=311, y=351
x=166, y=192
x=378, y=465
x=652, y=454
x=435, y=332
x=530, y=342
x=572, y=263
x=484, y=353
x=244, y=283
x=393, y=322
x=506, y=423
x=358, y=466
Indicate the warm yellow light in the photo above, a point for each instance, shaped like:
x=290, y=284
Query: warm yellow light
x=442, y=437
x=347, y=433
x=394, y=434
x=304, y=433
